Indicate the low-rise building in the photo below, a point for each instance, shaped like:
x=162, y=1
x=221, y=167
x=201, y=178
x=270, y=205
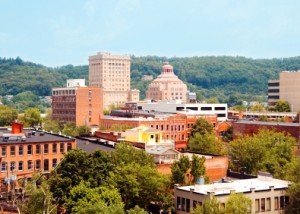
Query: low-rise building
x=29, y=151
x=268, y=195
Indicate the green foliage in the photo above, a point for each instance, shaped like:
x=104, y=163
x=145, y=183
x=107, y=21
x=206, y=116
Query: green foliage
x=282, y=106
x=210, y=206
x=84, y=199
x=83, y=130
x=136, y=210
x=197, y=167
x=230, y=79
x=31, y=118
x=120, y=127
x=179, y=169
x=202, y=126
x=258, y=107
x=266, y=151
x=238, y=203
x=7, y=115
x=40, y=199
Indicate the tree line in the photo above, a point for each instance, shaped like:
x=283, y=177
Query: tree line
x=225, y=78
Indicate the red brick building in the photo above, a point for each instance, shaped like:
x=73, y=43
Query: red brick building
x=81, y=105
x=176, y=127
x=28, y=152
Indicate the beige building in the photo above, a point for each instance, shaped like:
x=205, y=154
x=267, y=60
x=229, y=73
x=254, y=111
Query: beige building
x=167, y=86
x=268, y=195
x=286, y=88
x=112, y=73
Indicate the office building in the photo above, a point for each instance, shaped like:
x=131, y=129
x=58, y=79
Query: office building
x=77, y=103
x=286, y=88
x=112, y=74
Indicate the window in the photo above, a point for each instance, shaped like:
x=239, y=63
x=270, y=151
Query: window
x=262, y=205
x=3, y=151
x=188, y=206
x=178, y=203
x=69, y=146
x=38, y=149
x=54, y=147
x=38, y=164
x=12, y=166
x=3, y=166
x=276, y=203
x=46, y=148
x=206, y=108
x=12, y=150
x=183, y=204
x=54, y=163
x=62, y=148
x=220, y=108
x=268, y=204
x=29, y=149
x=46, y=165
x=20, y=149
x=29, y=165
x=281, y=202
x=20, y=167
x=257, y=206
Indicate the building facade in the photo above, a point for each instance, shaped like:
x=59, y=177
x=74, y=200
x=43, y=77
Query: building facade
x=29, y=152
x=81, y=105
x=112, y=73
x=286, y=88
x=177, y=106
x=174, y=127
x=268, y=195
x=167, y=86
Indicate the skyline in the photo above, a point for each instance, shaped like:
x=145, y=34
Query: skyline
x=55, y=34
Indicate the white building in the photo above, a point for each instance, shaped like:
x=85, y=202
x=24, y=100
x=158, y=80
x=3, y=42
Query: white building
x=268, y=195
x=177, y=106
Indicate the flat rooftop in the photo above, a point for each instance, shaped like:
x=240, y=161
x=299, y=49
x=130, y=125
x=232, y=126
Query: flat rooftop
x=267, y=123
x=36, y=137
x=239, y=186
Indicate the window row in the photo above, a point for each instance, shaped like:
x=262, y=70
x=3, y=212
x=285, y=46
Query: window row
x=33, y=149
x=29, y=165
x=265, y=204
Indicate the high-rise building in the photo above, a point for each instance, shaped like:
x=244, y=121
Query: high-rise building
x=286, y=88
x=77, y=103
x=112, y=73
x=167, y=86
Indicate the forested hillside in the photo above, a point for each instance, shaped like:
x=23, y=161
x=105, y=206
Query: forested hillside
x=223, y=78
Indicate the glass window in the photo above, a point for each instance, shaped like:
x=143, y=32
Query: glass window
x=12, y=166
x=12, y=150
x=69, y=146
x=188, y=206
x=20, y=149
x=46, y=164
x=276, y=203
x=46, y=148
x=37, y=149
x=38, y=164
x=54, y=163
x=54, y=147
x=29, y=149
x=268, y=204
x=257, y=206
x=3, y=166
x=281, y=202
x=29, y=165
x=3, y=151
x=183, y=204
x=262, y=205
x=62, y=148
x=178, y=203
x=20, y=167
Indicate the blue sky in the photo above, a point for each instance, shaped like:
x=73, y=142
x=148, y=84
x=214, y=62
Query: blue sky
x=55, y=33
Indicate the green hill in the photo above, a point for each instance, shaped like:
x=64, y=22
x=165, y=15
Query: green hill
x=228, y=79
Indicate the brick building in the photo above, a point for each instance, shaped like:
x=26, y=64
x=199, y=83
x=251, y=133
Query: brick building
x=28, y=152
x=79, y=104
x=175, y=127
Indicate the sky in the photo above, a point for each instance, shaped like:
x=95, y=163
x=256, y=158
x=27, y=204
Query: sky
x=62, y=32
